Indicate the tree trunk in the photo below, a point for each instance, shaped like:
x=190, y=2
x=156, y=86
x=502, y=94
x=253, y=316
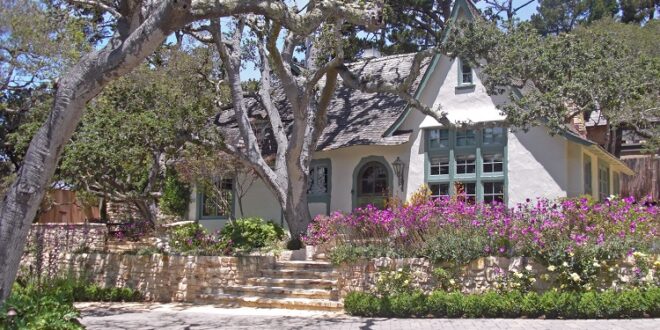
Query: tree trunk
x=77, y=87
x=296, y=214
x=296, y=209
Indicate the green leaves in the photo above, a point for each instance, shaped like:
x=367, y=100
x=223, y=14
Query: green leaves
x=608, y=67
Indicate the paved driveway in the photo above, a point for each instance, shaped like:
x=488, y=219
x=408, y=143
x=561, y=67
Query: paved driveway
x=182, y=316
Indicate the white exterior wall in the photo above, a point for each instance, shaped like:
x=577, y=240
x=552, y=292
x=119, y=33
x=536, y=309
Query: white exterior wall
x=537, y=165
x=344, y=162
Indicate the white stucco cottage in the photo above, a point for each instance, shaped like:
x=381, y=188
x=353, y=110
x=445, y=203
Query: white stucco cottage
x=370, y=136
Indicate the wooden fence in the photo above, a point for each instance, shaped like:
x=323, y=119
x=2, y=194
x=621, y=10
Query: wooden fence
x=62, y=206
x=646, y=180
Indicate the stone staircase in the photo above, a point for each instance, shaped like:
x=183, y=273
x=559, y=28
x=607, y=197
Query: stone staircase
x=308, y=285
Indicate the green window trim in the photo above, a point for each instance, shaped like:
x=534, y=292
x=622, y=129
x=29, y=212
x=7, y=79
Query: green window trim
x=587, y=175
x=603, y=181
x=464, y=71
x=356, y=172
x=616, y=184
x=322, y=197
x=496, y=146
x=200, y=205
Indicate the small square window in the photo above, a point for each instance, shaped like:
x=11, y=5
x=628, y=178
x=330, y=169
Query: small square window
x=493, y=135
x=466, y=164
x=465, y=138
x=493, y=192
x=439, y=189
x=493, y=163
x=439, y=166
x=466, y=73
x=217, y=202
x=438, y=138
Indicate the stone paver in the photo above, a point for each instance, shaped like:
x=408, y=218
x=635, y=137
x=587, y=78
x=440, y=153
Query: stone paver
x=181, y=316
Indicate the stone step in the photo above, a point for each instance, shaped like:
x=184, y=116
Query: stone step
x=304, y=265
x=298, y=283
x=299, y=274
x=230, y=300
x=278, y=292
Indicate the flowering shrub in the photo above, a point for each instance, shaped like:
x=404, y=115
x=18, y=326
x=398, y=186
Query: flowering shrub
x=240, y=235
x=575, y=231
x=194, y=239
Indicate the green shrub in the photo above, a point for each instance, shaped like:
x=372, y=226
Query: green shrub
x=362, y=304
x=459, y=247
x=454, y=305
x=437, y=303
x=589, y=306
x=45, y=306
x=551, y=304
x=93, y=292
x=408, y=304
x=633, y=303
x=175, y=197
x=251, y=233
x=530, y=304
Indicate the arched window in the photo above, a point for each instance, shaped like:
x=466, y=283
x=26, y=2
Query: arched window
x=373, y=184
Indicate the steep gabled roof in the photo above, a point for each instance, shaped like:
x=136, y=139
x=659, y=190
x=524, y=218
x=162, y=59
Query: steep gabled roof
x=354, y=117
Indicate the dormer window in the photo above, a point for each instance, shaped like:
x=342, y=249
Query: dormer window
x=465, y=73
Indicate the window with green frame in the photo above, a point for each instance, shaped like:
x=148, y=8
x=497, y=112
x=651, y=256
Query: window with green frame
x=464, y=73
x=616, y=184
x=471, y=162
x=217, y=202
x=603, y=181
x=586, y=169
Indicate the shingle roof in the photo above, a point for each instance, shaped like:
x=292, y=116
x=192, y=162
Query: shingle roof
x=354, y=118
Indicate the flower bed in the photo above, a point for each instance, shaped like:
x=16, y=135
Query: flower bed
x=577, y=235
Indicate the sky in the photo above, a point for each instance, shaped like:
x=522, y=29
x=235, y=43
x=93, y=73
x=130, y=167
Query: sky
x=524, y=14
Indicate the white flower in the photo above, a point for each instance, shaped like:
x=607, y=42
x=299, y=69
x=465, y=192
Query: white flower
x=518, y=275
x=551, y=268
x=452, y=282
x=575, y=277
x=528, y=268
x=597, y=265
x=565, y=264
x=648, y=277
x=533, y=280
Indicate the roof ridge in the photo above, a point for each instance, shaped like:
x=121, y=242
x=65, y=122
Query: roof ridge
x=382, y=58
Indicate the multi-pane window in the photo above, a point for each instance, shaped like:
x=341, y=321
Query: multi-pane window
x=466, y=164
x=438, y=138
x=616, y=184
x=466, y=73
x=217, y=201
x=493, y=192
x=318, y=180
x=471, y=162
x=439, y=189
x=587, y=175
x=469, y=190
x=466, y=138
x=603, y=182
x=493, y=135
x=439, y=166
x=493, y=163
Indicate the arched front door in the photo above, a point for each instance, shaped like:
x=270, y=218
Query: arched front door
x=373, y=184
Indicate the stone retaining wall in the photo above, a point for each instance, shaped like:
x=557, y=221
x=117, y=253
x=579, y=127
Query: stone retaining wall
x=67, y=237
x=165, y=278
x=478, y=276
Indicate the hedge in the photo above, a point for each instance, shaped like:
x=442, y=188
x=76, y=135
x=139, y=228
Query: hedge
x=638, y=302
